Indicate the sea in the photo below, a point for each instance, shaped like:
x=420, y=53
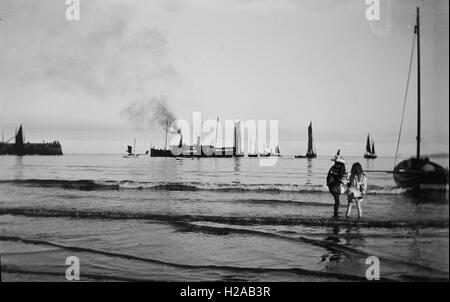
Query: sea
x=212, y=219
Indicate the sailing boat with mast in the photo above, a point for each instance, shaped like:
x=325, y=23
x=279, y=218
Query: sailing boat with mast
x=418, y=172
x=370, y=149
x=253, y=148
x=131, y=151
x=311, y=153
x=277, y=151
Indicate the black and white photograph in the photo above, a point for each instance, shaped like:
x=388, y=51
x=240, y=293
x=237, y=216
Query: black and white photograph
x=244, y=142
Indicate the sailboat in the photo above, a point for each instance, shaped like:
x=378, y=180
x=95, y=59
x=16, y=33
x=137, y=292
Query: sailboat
x=237, y=146
x=131, y=151
x=269, y=152
x=419, y=172
x=370, y=149
x=253, y=148
x=311, y=153
x=266, y=152
x=277, y=151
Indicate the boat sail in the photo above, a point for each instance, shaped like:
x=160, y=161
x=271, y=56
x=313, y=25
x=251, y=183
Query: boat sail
x=311, y=153
x=253, y=149
x=131, y=151
x=277, y=151
x=419, y=172
x=370, y=149
x=19, y=145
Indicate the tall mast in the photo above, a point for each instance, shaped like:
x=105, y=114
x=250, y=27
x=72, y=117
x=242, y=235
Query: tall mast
x=417, y=30
x=167, y=129
x=234, y=140
x=217, y=127
x=310, y=139
x=368, y=144
x=134, y=147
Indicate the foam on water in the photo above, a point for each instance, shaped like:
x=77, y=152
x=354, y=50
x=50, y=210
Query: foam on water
x=89, y=184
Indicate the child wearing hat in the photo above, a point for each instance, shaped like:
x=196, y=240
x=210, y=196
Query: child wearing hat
x=337, y=180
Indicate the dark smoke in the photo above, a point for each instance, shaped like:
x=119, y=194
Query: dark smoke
x=151, y=112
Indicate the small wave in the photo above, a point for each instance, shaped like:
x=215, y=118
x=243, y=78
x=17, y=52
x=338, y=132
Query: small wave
x=388, y=190
x=223, y=230
x=233, y=269
x=331, y=246
x=269, y=202
x=91, y=185
x=233, y=220
x=294, y=270
x=81, y=184
x=86, y=276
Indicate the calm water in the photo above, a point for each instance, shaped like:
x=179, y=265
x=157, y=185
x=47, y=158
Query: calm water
x=210, y=219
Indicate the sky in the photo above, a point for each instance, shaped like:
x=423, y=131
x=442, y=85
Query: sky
x=291, y=61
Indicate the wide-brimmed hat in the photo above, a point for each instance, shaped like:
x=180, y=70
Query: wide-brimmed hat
x=338, y=158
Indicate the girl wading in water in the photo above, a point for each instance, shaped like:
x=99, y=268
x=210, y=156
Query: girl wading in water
x=337, y=180
x=357, y=187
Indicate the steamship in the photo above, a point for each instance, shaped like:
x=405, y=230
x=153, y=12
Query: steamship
x=201, y=151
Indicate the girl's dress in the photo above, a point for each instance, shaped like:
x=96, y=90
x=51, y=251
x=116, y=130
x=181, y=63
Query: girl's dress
x=357, y=187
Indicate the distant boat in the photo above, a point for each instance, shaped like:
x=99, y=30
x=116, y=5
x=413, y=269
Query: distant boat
x=277, y=151
x=237, y=146
x=266, y=153
x=131, y=151
x=253, y=152
x=370, y=149
x=418, y=172
x=269, y=153
x=198, y=150
x=311, y=153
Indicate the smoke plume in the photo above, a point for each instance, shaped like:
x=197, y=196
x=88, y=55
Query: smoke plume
x=152, y=112
x=112, y=57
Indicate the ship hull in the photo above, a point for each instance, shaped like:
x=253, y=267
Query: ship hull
x=192, y=153
x=269, y=155
x=160, y=153
x=420, y=174
x=308, y=156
